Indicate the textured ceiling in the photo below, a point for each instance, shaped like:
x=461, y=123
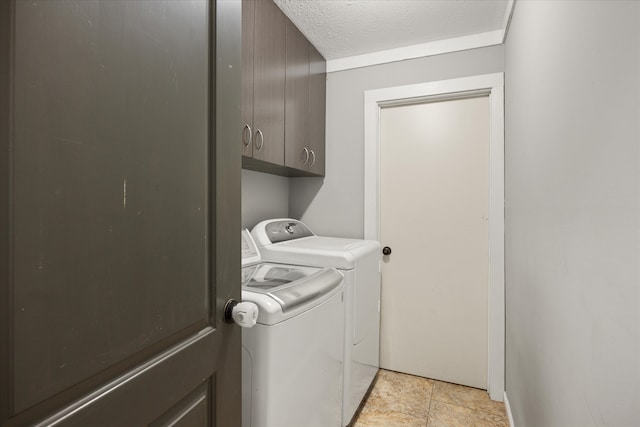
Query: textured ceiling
x=343, y=28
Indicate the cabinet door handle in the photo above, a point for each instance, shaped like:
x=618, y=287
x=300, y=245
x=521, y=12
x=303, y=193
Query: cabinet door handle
x=259, y=134
x=247, y=135
x=313, y=158
x=305, y=151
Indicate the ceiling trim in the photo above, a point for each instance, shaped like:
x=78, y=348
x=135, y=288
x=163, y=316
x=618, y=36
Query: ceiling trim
x=416, y=51
x=507, y=19
x=456, y=44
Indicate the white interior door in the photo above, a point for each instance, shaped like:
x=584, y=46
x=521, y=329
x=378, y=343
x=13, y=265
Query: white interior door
x=434, y=209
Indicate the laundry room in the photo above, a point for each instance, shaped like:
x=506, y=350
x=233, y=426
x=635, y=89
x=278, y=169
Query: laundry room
x=320, y=213
x=338, y=204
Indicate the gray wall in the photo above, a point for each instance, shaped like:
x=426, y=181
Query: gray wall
x=264, y=196
x=334, y=205
x=572, y=216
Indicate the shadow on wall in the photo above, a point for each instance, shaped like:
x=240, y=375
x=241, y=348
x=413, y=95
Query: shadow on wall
x=299, y=204
x=264, y=196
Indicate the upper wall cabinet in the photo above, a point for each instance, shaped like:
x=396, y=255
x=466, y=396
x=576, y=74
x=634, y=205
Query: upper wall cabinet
x=248, y=16
x=297, y=153
x=317, y=109
x=283, y=95
x=263, y=80
x=305, y=88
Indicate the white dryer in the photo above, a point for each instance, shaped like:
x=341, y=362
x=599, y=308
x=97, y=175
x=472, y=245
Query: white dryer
x=292, y=358
x=289, y=240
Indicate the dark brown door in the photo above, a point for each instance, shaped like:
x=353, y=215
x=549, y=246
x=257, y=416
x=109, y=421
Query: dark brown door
x=119, y=212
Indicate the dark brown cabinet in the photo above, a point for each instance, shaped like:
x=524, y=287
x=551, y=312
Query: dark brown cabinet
x=297, y=152
x=248, y=16
x=317, y=110
x=263, y=81
x=283, y=95
x=305, y=85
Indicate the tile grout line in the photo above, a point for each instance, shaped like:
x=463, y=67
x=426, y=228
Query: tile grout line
x=433, y=388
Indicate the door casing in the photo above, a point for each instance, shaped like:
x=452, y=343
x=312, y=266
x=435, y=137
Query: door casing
x=493, y=86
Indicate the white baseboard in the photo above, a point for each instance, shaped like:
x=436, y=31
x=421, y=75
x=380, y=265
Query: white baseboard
x=508, y=408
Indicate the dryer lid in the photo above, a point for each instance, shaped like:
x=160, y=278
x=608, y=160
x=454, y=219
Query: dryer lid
x=303, y=247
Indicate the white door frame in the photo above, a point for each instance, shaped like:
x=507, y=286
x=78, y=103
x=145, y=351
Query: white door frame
x=493, y=86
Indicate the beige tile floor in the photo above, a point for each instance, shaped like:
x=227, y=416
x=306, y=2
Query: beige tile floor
x=407, y=401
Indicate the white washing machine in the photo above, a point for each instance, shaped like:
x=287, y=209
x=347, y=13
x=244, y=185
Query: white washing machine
x=292, y=359
x=289, y=240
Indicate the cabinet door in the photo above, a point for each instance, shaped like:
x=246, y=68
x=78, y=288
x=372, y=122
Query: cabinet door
x=248, y=14
x=296, y=133
x=268, y=80
x=317, y=102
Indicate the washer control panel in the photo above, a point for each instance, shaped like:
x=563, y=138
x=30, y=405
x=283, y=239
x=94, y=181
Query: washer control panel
x=283, y=230
x=250, y=253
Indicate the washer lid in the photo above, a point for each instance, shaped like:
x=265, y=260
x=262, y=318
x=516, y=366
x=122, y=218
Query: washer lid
x=289, y=285
x=269, y=276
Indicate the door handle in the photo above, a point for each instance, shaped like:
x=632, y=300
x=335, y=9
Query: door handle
x=386, y=250
x=243, y=313
x=247, y=135
x=261, y=135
